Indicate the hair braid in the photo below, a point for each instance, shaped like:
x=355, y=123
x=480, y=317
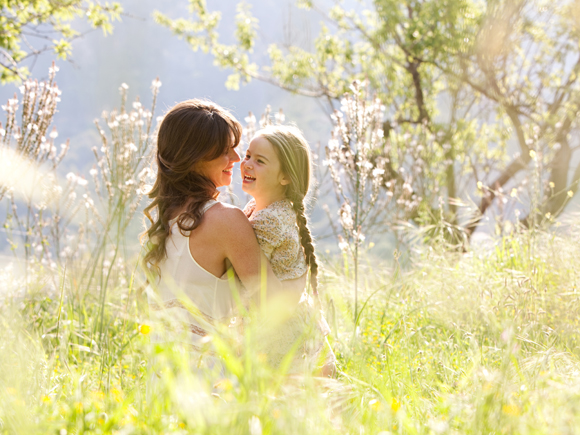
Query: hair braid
x=306, y=242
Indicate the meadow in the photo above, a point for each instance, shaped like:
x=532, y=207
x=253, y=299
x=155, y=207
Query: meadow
x=450, y=341
x=459, y=343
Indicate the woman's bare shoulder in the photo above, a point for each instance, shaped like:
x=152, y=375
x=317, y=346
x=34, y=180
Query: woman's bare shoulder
x=226, y=217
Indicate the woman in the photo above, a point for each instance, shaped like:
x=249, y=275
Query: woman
x=194, y=238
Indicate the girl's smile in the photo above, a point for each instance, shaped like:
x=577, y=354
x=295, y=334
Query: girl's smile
x=261, y=174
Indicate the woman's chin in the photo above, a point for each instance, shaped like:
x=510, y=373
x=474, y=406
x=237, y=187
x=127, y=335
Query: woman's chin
x=226, y=180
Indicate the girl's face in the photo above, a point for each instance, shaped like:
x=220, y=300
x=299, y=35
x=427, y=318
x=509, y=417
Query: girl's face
x=220, y=169
x=261, y=174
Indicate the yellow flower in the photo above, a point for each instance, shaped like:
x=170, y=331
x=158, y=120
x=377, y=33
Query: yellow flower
x=551, y=184
x=375, y=405
x=548, y=215
x=144, y=329
x=395, y=405
x=533, y=154
x=371, y=245
x=97, y=395
x=224, y=384
x=570, y=194
x=511, y=410
x=514, y=192
x=117, y=395
x=479, y=185
x=46, y=399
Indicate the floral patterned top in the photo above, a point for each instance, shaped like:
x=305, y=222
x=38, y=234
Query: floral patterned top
x=278, y=235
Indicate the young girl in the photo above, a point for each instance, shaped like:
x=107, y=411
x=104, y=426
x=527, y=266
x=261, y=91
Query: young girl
x=276, y=172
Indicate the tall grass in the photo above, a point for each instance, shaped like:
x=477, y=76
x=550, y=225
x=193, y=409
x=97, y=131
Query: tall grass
x=460, y=343
x=456, y=343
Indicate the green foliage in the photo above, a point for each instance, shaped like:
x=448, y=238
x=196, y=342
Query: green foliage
x=473, y=75
x=26, y=24
x=470, y=344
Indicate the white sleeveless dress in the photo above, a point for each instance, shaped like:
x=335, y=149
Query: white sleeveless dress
x=187, y=301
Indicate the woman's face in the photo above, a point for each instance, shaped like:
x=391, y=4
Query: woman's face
x=220, y=169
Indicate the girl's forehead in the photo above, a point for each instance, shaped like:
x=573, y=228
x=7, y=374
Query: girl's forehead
x=261, y=145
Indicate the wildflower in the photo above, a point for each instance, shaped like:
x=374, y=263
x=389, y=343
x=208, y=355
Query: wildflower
x=144, y=329
x=570, y=194
x=479, y=185
x=514, y=192
x=375, y=405
x=533, y=154
x=359, y=236
x=342, y=244
x=156, y=83
x=511, y=410
x=255, y=425
x=551, y=184
x=280, y=117
x=117, y=395
x=250, y=119
x=224, y=384
x=395, y=405
x=346, y=216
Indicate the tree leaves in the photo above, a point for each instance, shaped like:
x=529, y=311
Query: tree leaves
x=31, y=27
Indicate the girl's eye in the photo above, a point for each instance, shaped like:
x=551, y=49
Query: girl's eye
x=260, y=161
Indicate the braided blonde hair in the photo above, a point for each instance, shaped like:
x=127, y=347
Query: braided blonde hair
x=295, y=162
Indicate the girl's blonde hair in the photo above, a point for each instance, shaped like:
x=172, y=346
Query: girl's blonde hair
x=296, y=164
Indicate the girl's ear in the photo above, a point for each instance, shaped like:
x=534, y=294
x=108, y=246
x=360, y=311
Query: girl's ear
x=285, y=181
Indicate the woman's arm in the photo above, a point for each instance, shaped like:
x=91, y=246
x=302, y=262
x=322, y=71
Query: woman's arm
x=233, y=234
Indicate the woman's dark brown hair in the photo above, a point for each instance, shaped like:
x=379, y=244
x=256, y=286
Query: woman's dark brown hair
x=192, y=131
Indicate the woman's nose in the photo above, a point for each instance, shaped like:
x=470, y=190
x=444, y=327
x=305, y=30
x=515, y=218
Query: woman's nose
x=234, y=156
